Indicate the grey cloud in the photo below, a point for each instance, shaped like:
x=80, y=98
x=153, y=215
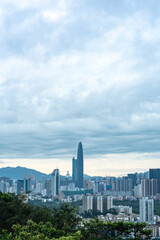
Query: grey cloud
x=91, y=76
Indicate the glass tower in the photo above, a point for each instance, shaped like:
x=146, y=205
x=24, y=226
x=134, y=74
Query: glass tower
x=74, y=170
x=80, y=166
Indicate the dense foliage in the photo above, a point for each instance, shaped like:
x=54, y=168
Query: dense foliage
x=23, y=221
x=14, y=210
x=34, y=231
x=96, y=229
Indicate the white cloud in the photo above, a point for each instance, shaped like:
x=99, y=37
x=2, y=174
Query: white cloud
x=53, y=15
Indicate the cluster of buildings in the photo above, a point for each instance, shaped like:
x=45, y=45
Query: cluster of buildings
x=96, y=193
x=100, y=203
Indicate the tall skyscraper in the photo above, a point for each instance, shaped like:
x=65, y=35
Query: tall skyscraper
x=80, y=166
x=155, y=174
x=55, y=182
x=77, y=167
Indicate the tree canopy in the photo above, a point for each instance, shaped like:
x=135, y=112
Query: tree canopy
x=22, y=221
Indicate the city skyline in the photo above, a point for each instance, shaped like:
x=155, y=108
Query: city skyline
x=74, y=71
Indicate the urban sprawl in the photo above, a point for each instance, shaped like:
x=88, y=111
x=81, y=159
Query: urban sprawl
x=96, y=195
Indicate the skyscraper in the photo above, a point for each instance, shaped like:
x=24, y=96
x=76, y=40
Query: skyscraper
x=153, y=187
x=55, y=182
x=27, y=185
x=74, y=170
x=80, y=166
x=155, y=174
x=20, y=185
x=145, y=184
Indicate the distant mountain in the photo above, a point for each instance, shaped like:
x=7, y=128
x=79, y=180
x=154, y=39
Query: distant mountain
x=19, y=172
x=93, y=178
x=87, y=177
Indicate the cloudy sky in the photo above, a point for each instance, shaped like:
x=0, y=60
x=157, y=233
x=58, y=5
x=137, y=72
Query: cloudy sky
x=85, y=70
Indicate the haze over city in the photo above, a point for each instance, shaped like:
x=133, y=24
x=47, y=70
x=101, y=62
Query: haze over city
x=74, y=71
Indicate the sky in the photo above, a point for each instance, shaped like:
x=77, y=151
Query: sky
x=82, y=70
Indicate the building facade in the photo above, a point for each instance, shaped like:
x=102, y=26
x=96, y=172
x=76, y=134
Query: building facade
x=146, y=206
x=77, y=167
x=55, y=182
x=155, y=174
x=80, y=166
x=99, y=202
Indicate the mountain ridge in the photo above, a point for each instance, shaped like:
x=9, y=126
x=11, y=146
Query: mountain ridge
x=19, y=173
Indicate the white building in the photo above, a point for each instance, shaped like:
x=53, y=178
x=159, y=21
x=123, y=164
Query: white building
x=87, y=203
x=39, y=187
x=94, y=186
x=146, y=210
x=100, y=203
x=107, y=203
x=138, y=191
x=123, y=209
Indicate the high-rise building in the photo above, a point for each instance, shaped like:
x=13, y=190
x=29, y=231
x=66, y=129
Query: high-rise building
x=3, y=186
x=145, y=184
x=87, y=203
x=155, y=174
x=101, y=187
x=146, y=210
x=133, y=177
x=48, y=187
x=77, y=167
x=97, y=202
x=20, y=185
x=138, y=191
x=39, y=187
x=100, y=203
x=74, y=170
x=154, y=189
x=55, y=182
x=107, y=203
x=27, y=185
x=80, y=166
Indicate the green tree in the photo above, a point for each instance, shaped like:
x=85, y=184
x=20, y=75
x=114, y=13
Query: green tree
x=13, y=210
x=65, y=218
x=96, y=229
x=34, y=231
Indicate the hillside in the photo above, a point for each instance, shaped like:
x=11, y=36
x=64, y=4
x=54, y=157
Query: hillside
x=19, y=172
